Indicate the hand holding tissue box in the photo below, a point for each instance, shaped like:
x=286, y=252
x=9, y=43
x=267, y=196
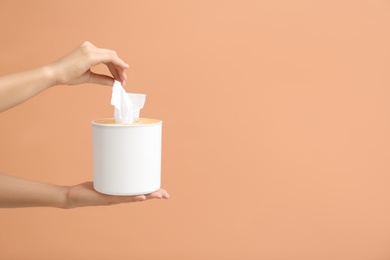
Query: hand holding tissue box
x=126, y=148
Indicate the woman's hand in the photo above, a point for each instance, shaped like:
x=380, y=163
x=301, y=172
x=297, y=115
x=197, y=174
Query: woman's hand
x=75, y=67
x=83, y=194
x=19, y=193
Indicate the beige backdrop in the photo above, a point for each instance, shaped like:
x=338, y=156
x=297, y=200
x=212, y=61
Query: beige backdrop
x=276, y=139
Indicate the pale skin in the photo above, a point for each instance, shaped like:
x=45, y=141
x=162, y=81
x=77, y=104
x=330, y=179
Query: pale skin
x=72, y=69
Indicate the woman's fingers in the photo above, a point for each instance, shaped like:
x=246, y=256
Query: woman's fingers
x=100, y=79
x=159, y=194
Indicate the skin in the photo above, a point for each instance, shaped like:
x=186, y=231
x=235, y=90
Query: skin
x=72, y=69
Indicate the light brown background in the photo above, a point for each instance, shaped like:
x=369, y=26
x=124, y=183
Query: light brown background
x=276, y=128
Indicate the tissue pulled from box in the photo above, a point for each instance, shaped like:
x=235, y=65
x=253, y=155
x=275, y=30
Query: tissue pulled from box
x=127, y=105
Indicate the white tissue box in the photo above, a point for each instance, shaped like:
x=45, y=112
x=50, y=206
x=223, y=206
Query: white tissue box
x=126, y=157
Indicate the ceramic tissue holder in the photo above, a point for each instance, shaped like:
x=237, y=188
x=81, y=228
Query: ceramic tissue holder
x=126, y=157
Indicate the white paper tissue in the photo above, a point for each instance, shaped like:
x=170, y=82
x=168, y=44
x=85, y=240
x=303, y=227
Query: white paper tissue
x=127, y=105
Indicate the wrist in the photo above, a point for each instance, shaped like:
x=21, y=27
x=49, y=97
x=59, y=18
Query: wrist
x=63, y=202
x=49, y=75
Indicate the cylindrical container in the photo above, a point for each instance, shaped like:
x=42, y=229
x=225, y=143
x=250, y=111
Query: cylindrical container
x=126, y=157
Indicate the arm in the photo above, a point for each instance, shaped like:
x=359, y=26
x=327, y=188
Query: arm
x=18, y=87
x=16, y=193
x=72, y=69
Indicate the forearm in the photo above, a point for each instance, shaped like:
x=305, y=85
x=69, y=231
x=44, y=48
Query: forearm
x=72, y=69
x=18, y=87
x=17, y=193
